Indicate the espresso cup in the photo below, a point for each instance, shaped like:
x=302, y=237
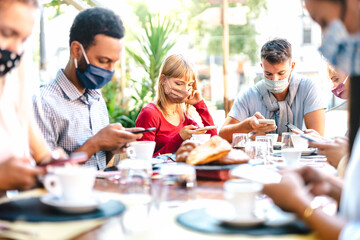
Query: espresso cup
x=143, y=149
x=73, y=184
x=291, y=156
x=241, y=194
x=299, y=142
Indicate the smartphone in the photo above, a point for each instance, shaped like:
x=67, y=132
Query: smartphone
x=75, y=158
x=205, y=128
x=267, y=121
x=311, y=138
x=294, y=128
x=145, y=130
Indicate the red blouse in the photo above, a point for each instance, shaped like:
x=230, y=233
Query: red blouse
x=167, y=135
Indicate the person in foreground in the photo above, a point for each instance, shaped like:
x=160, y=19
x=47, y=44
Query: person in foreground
x=283, y=96
x=335, y=150
x=72, y=113
x=177, y=91
x=21, y=141
x=297, y=188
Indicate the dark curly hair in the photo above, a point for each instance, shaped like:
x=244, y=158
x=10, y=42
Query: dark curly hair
x=93, y=21
x=276, y=51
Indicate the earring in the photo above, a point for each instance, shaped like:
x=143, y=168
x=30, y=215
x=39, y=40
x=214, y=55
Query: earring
x=75, y=62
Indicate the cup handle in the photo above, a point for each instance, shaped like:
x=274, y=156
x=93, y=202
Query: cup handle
x=52, y=185
x=130, y=151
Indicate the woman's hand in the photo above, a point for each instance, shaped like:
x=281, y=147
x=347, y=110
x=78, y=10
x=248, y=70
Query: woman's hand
x=317, y=182
x=290, y=194
x=187, y=132
x=18, y=173
x=334, y=150
x=194, y=98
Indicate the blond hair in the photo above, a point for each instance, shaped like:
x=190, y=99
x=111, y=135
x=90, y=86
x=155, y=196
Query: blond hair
x=175, y=66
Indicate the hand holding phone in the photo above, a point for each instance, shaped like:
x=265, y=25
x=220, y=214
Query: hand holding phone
x=75, y=158
x=313, y=138
x=145, y=130
x=294, y=129
x=205, y=128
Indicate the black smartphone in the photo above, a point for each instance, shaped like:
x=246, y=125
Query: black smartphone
x=145, y=130
x=294, y=128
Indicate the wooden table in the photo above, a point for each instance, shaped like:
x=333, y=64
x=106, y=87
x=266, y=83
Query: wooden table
x=205, y=190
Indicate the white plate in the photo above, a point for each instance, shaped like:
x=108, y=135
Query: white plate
x=259, y=173
x=277, y=145
x=224, y=212
x=157, y=160
x=58, y=203
x=308, y=151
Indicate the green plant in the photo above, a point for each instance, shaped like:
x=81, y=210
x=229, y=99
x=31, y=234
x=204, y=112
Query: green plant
x=154, y=46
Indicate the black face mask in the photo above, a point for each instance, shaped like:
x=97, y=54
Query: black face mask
x=8, y=60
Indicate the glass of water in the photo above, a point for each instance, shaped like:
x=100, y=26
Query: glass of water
x=286, y=140
x=257, y=152
x=239, y=140
x=176, y=185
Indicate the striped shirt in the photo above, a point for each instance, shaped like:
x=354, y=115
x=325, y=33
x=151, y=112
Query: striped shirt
x=69, y=118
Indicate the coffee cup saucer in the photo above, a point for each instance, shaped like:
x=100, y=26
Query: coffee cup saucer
x=224, y=212
x=89, y=205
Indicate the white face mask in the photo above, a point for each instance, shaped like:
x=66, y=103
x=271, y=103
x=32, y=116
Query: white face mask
x=277, y=86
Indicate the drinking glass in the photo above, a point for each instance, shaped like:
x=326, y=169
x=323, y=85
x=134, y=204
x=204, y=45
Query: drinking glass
x=136, y=193
x=286, y=140
x=239, y=140
x=176, y=185
x=269, y=142
x=257, y=152
x=269, y=146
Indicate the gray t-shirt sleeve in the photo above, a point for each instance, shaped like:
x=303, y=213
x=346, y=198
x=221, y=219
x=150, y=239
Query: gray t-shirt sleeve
x=314, y=100
x=240, y=109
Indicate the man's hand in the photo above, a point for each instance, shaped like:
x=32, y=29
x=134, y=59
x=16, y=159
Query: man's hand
x=18, y=173
x=114, y=137
x=260, y=127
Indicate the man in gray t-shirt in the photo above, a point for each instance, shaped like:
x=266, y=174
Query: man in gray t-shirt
x=282, y=95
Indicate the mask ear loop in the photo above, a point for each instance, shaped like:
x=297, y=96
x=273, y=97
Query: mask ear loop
x=343, y=10
x=83, y=51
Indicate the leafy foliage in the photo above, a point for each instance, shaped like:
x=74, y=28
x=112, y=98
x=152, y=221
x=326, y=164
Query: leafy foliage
x=242, y=38
x=154, y=46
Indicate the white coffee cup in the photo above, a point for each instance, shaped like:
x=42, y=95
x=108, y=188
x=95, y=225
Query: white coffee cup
x=201, y=137
x=73, y=184
x=274, y=137
x=291, y=156
x=241, y=194
x=299, y=142
x=143, y=149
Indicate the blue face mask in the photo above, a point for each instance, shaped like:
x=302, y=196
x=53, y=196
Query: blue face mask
x=94, y=77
